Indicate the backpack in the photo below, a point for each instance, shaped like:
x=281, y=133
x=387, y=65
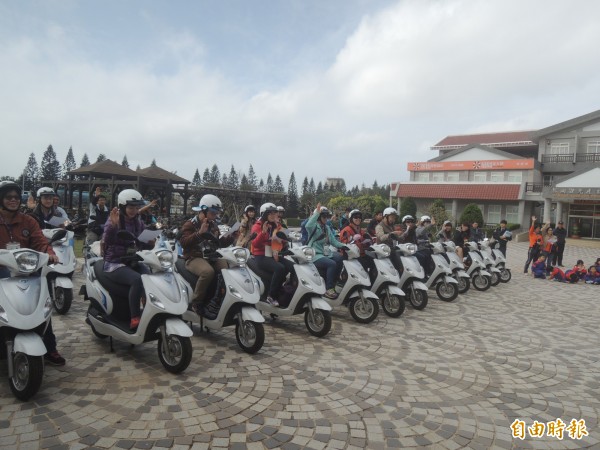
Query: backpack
x=304, y=237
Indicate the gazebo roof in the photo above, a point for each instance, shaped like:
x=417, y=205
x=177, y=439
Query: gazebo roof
x=106, y=168
x=157, y=173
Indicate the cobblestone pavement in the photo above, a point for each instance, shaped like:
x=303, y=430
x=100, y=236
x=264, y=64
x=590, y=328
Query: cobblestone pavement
x=454, y=375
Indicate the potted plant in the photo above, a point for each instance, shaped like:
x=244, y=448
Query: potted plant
x=575, y=230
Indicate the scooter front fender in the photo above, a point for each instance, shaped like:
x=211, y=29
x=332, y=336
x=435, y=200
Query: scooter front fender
x=485, y=273
x=462, y=273
x=419, y=285
x=29, y=343
x=494, y=269
x=64, y=282
x=395, y=290
x=367, y=293
x=177, y=327
x=319, y=303
x=451, y=280
x=252, y=315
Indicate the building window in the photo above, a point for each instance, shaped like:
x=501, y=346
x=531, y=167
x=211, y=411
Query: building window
x=512, y=213
x=548, y=180
x=497, y=177
x=559, y=148
x=422, y=176
x=593, y=147
x=515, y=176
x=480, y=177
x=452, y=176
x=493, y=213
x=438, y=177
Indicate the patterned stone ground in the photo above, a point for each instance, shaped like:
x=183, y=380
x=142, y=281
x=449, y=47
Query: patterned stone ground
x=454, y=375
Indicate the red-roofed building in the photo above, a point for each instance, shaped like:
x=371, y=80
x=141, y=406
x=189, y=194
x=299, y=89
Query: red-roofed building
x=550, y=173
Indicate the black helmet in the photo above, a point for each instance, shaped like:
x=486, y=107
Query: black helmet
x=7, y=186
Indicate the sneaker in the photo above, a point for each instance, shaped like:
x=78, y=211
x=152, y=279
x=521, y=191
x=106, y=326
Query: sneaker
x=135, y=321
x=331, y=294
x=54, y=358
x=271, y=301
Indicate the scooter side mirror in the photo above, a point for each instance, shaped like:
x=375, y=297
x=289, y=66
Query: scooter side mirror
x=58, y=235
x=281, y=235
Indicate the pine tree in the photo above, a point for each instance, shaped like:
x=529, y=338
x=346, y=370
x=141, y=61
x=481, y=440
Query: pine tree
x=305, y=189
x=252, y=178
x=215, y=175
x=70, y=163
x=138, y=168
x=85, y=161
x=224, y=181
x=342, y=187
x=125, y=163
x=196, y=181
x=244, y=185
x=31, y=173
x=278, y=185
x=261, y=186
x=292, y=193
x=153, y=163
x=50, y=167
x=311, y=186
x=269, y=183
x=232, y=179
x=101, y=157
x=319, y=188
x=206, y=177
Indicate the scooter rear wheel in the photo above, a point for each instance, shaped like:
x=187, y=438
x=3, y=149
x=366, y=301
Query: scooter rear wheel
x=392, y=305
x=252, y=337
x=495, y=280
x=446, y=291
x=505, y=275
x=464, y=284
x=481, y=282
x=177, y=355
x=364, y=310
x=319, y=323
x=62, y=300
x=27, y=376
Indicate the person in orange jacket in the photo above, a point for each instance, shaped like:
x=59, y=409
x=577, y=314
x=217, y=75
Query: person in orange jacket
x=535, y=242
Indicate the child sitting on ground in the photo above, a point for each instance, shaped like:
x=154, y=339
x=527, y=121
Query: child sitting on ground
x=593, y=276
x=577, y=273
x=538, y=268
x=557, y=275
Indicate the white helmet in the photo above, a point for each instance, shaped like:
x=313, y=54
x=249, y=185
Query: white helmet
x=389, y=212
x=280, y=209
x=266, y=208
x=45, y=191
x=130, y=197
x=249, y=207
x=425, y=218
x=354, y=212
x=324, y=212
x=408, y=217
x=209, y=202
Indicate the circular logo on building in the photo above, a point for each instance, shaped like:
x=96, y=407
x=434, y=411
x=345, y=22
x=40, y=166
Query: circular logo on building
x=477, y=165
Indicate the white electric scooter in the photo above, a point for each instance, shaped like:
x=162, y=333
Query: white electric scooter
x=446, y=287
x=412, y=276
x=481, y=278
x=308, y=290
x=387, y=278
x=240, y=293
x=356, y=293
x=490, y=263
x=60, y=283
x=166, y=299
x=499, y=260
x=457, y=266
x=25, y=311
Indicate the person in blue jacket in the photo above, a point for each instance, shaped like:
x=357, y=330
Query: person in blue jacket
x=321, y=239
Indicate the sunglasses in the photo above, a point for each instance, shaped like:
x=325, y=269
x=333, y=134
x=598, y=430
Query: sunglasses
x=12, y=197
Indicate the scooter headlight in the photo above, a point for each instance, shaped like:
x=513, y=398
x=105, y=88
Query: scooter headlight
x=411, y=249
x=309, y=253
x=27, y=261
x=165, y=257
x=3, y=315
x=385, y=249
x=241, y=255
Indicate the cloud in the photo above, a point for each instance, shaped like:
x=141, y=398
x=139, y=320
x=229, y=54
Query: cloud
x=406, y=77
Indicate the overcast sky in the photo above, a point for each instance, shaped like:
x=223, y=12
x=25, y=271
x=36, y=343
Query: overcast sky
x=338, y=88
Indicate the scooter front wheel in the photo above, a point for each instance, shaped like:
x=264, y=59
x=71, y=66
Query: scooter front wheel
x=418, y=298
x=481, y=282
x=505, y=275
x=393, y=305
x=464, y=284
x=364, y=310
x=27, y=375
x=62, y=300
x=446, y=291
x=318, y=323
x=176, y=353
x=250, y=336
x=495, y=280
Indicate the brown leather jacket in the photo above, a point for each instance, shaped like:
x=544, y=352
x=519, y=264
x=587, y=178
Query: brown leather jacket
x=25, y=230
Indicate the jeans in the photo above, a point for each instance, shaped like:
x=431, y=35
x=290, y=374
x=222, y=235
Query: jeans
x=332, y=266
x=278, y=269
x=132, y=278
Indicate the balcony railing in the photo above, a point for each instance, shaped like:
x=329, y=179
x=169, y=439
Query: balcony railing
x=568, y=158
x=534, y=187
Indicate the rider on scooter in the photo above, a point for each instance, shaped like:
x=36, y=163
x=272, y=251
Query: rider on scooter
x=246, y=223
x=125, y=217
x=194, y=244
x=20, y=230
x=354, y=233
x=423, y=234
x=44, y=210
x=387, y=233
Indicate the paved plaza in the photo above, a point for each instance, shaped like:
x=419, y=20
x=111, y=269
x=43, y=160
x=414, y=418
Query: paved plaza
x=455, y=375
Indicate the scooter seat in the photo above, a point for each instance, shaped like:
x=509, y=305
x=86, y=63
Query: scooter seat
x=186, y=274
x=115, y=289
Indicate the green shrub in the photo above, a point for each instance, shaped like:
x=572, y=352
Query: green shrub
x=408, y=206
x=471, y=214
